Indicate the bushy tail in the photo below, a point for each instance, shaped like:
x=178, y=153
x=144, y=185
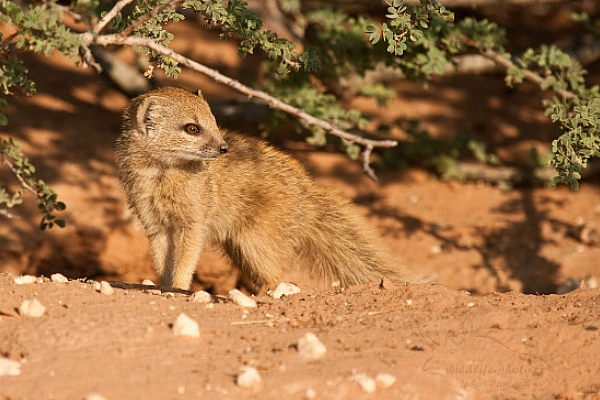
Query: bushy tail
x=341, y=248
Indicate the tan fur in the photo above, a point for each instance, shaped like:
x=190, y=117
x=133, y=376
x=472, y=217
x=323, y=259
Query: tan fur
x=256, y=202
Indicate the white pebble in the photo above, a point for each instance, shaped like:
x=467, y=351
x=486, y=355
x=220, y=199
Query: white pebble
x=105, y=288
x=283, y=289
x=201, y=297
x=185, y=326
x=9, y=367
x=248, y=377
x=310, y=347
x=385, y=380
x=148, y=282
x=31, y=308
x=58, y=278
x=435, y=249
x=94, y=396
x=366, y=383
x=24, y=280
x=239, y=298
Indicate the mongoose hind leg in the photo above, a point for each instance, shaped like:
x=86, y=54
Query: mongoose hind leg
x=259, y=267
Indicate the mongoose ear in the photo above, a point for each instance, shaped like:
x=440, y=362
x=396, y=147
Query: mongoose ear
x=144, y=115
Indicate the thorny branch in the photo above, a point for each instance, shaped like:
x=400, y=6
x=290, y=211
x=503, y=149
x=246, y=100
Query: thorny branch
x=118, y=7
x=529, y=75
x=18, y=174
x=22, y=181
x=369, y=144
x=136, y=24
x=123, y=38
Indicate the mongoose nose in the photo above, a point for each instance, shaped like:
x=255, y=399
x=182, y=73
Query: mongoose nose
x=223, y=148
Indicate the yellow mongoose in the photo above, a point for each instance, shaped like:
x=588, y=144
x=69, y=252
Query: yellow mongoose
x=189, y=182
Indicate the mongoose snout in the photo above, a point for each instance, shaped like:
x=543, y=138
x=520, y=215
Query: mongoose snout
x=194, y=183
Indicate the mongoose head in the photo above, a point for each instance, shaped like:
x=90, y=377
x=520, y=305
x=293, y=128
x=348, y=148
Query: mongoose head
x=174, y=127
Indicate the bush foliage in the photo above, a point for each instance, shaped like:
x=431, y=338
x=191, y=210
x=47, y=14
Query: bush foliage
x=418, y=40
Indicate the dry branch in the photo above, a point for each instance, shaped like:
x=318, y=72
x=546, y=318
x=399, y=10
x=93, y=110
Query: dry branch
x=529, y=75
x=514, y=175
x=123, y=39
x=116, y=39
x=118, y=7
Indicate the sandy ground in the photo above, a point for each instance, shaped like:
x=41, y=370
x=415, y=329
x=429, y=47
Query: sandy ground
x=436, y=342
x=492, y=326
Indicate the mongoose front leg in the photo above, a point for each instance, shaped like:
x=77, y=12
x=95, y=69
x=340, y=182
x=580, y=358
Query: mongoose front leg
x=175, y=254
x=189, y=244
x=161, y=251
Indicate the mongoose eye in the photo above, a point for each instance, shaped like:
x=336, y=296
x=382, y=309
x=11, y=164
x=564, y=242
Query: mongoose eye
x=192, y=129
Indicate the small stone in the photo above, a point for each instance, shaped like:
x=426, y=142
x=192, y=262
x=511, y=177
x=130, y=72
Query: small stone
x=200, y=297
x=248, y=377
x=591, y=282
x=384, y=380
x=366, y=383
x=59, y=278
x=31, y=308
x=106, y=289
x=588, y=234
x=239, y=298
x=24, y=279
x=185, y=326
x=310, y=347
x=9, y=367
x=148, y=282
x=283, y=289
x=435, y=249
x=94, y=396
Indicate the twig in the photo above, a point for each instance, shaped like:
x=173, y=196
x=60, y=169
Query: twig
x=145, y=18
x=529, y=75
x=366, y=158
x=23, y=182
x=88, y=58
x=7, y=214
x=121, y=4
x=117, y=39
x=280, y=23
x=65, y=9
